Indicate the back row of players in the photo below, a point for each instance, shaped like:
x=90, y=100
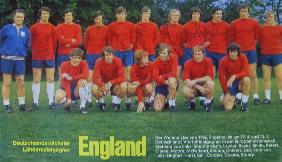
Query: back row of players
x=121, y=37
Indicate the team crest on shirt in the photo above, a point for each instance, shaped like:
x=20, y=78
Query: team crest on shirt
x=22, y=34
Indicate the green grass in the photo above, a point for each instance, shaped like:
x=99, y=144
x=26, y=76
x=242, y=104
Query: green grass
x=49, y=125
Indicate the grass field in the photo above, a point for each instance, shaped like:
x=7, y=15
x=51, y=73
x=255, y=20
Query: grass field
x=57, y=125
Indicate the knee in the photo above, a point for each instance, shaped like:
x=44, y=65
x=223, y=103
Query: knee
x=246, y=81
x=149, y=89
x=20, y=82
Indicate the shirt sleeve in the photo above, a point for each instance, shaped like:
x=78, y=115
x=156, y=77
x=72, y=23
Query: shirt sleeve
x=84, y=74
x=245, y=68
x=210, y=71
x=78, y=38
x=156, y=74
x=120, y=71
x=97, y=74
x=222, y=75
x=86, y=39
x=186, y=71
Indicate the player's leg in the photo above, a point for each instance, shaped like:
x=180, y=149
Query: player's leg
x=148, y=92
x=244, y=87
x=129, y=55
x=81, y=92
x=50, y=71
x=161, y=93
x=20, y=72
x=278, y=75
x=254, y=81
x=118, y=92
x=36, y=72
x=228, y=101
x=190, y=96
x=172, y=94
x=209, y=85
x=266, y=70
x=99, y=94
x=7, y=79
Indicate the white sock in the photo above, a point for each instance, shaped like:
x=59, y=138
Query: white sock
x=207, y=101
x=193, y=100
x=267, y=94
x=127, y=100
x=21, y=100
x=116, y=100
x=239, y=96
x=50, y=92
x=245, y=98
x=102, y=100
x=147, y=99
x=82, y=96
x=152, y=97
x=6, y=102
x=171, y=102
x=89, y=93
x=280, y=94
x=255, y=96
x=35, y=92
x=201, y=98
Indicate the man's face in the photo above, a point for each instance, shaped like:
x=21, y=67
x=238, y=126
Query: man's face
x=217, y=16
x=270, y=18
x=164, y=54
x=198, y=55
x=109, y=57
x=44, y=16
x=98, y=20
x=146, y=16
x=244, y=13
x=196, y=16
x=19, y=18
x=175, y=16
x=121, y=16
x=75, y=60
x=233, y=55
x=144, y=61
x=68, y=17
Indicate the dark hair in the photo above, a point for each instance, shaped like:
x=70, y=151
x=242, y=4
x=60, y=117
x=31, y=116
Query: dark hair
x=233, y=47
x=18, y=11
x=77, y=52
x=243, y=6
x=120, y=9
x=195, y=9
x=47, y=9
x=97, y=13
x=215, y=9
x=107, y=49
x=145, y=9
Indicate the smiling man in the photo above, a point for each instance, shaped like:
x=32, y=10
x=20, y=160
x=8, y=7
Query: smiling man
x=73, y=81
x=198, y=78
x=14, y=43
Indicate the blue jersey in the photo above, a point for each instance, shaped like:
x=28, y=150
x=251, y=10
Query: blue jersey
x=14, y=42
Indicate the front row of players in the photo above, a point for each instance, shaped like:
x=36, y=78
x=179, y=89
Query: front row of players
x=158, y=78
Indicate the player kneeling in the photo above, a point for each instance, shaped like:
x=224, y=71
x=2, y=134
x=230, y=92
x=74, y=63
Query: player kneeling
x=141, y=80
x=164, y=74
x=108, y=79
x=198, y=78
x=234, y=77
x=73, y=81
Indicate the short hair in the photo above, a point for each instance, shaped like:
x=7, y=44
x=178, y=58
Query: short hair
x=47, y=9
x=97, y=14
x=233, y=47
x=77, y=52
x=107, y=49
x=68, y=10
x=171, y=12
x=243, y=6
x=214, y=10
x=138, y=55
x=145, y=9
x=195, y=9
x=163, y=46
x=120, y=9
x=198, y=48
x=18, y=11
x=270, y=12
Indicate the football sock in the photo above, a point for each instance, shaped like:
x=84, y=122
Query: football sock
x=83, y=97
x=21, y=100
x=35, y=92
x=50, y=92
x=267, y=94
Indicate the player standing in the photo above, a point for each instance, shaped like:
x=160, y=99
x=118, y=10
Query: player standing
x=14, y=43
x=270, y=39
x=43, y=43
